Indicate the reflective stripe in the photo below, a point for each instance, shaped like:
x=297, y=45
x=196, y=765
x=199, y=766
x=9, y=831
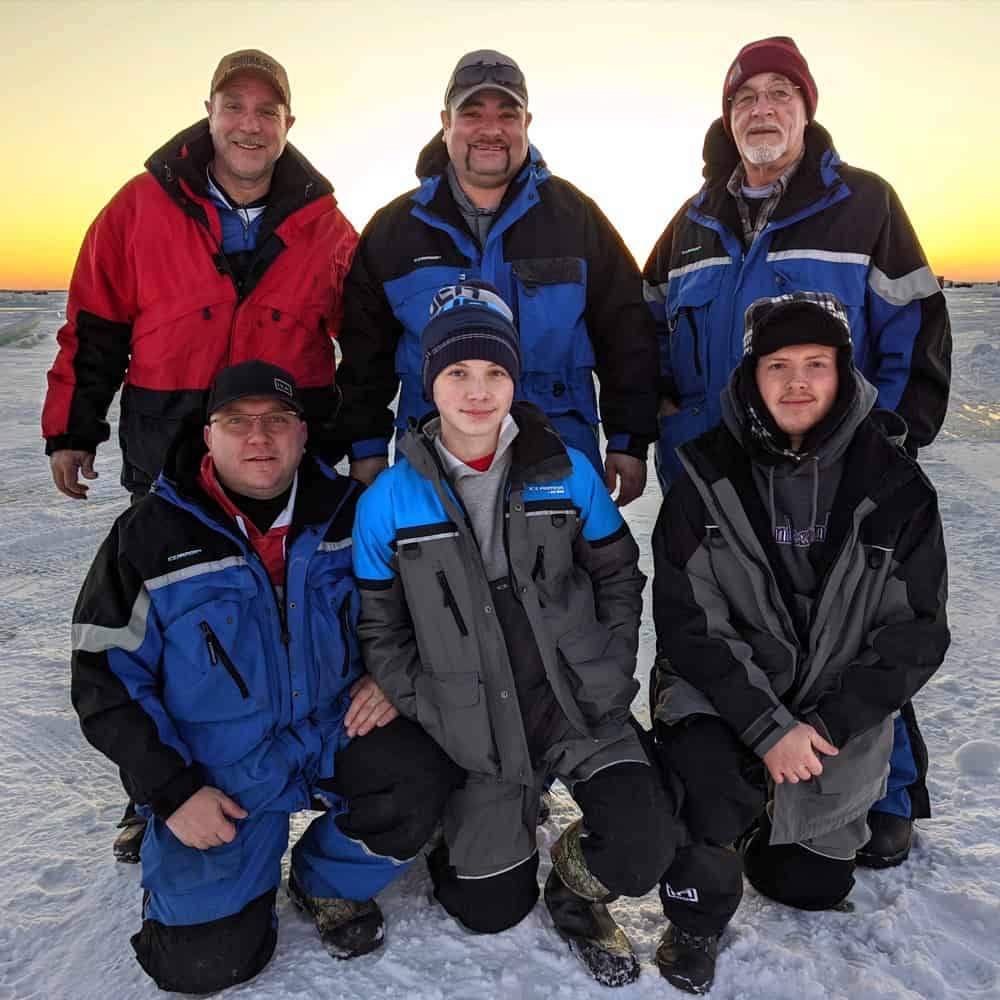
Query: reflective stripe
x=344, y=543
x=427, y=538
x=99, y=638
x=698, y=265
x=503, y=871
x=918, y=284
x=199, y=569
x=828, y=256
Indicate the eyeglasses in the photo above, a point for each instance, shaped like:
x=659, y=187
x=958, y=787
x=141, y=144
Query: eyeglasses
x=241, y=424
x=777, y=95
x=500, y=73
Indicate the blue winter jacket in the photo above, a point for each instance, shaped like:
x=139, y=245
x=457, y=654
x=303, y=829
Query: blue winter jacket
x=574, y=289
x=837, y=229
x=186, y=672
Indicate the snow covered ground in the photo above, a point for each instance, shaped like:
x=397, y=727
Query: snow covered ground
x=929, y=929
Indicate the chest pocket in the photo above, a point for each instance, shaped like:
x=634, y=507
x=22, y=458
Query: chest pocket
x=215, y=684
x=550, y=531
x=691, y=298
x=550, y=301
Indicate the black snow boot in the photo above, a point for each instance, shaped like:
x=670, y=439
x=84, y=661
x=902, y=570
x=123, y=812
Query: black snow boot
x=347, y=927
x=127, y=843
x=576, y=901
x=889, y=844
x=687, y=961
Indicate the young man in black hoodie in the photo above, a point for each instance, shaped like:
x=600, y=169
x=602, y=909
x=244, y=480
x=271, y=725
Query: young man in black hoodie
x=799, y=602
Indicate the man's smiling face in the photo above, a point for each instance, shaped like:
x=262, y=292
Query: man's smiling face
x=487, y=139
x=249, y=124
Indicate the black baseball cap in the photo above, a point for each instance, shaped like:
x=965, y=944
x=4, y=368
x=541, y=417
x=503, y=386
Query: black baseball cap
x=253, y=378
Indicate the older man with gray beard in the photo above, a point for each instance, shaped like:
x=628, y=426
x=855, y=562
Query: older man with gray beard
x=780, y=212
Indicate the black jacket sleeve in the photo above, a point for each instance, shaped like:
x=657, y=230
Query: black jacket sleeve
x=116, y=681
x=909, y=638
x=624, y=338
x=368, y=340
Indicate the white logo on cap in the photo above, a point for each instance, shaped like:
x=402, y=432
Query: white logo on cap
x=282, y=386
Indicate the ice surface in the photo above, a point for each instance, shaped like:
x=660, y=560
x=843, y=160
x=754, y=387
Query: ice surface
x=929, y=929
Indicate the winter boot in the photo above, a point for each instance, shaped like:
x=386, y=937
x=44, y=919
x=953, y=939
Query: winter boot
x=687, y=961
x=127, y=843
x=347, y=927
x=889, y=844
x=576, y=900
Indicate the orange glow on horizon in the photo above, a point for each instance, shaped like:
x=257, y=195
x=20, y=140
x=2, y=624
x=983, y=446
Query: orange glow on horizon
x=621, y=93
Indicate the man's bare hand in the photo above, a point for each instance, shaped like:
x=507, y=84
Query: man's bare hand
x=668, y=407
x=366, y=469
x=203, y=821
x=369, y=708
x=65, y=464
x=626, y=473
x=793, y=758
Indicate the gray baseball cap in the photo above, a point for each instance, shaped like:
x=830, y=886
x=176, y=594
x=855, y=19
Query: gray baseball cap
x=485, y=69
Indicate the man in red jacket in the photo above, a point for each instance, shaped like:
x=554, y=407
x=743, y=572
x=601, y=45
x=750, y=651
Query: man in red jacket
x=229, y=248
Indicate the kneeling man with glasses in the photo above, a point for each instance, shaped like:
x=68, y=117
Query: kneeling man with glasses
x=215, y=662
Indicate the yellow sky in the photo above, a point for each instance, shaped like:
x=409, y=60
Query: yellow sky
x=621, y=92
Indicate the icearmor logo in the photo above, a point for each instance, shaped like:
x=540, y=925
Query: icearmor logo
x=282, y=386
x=545, y=490
x=681, y=895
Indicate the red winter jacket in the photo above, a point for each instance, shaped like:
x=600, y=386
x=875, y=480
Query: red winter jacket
x=152, y=302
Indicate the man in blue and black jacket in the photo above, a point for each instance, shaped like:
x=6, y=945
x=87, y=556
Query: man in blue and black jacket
x=215, y=661
x=488, y=208
x=780, y=212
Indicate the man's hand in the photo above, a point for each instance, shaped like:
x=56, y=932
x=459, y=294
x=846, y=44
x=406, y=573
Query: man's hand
x=366, y=469
x=65, y=464
x=202, y=821
x=793, y=757
x=668, y=407
x=369, y=708
x=630, y=471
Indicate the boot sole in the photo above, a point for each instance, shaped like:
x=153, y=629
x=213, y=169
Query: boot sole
x=628, y=971
x=682, y=983
x=881, y=861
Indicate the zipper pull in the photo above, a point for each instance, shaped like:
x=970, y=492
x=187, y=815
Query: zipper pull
x=210, y=642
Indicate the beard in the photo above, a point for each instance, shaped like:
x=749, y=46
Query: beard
x=765, y=153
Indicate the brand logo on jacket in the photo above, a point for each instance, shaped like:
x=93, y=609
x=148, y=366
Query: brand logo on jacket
x=184, y=555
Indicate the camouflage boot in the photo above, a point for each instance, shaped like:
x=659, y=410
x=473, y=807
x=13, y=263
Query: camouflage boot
x=576, y=900
x=347, y=927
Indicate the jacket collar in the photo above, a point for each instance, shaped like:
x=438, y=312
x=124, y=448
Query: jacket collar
x=295, y=184
x=817, y=175
x=537, y=452
x=320, y=489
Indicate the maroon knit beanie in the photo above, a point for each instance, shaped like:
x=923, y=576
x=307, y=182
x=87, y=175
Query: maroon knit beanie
x=770, y=55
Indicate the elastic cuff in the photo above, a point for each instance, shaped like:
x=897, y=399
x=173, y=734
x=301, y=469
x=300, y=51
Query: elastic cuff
x=628, y=444
x=167, y=800
x=69, y=442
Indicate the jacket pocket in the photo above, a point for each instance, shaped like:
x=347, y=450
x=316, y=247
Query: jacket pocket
x=452, y=708
x=690, y=299
x=170, y=867
x=217, y=654
x=601, y=672
x=550, y=299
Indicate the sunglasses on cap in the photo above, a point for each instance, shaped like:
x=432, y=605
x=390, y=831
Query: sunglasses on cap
x=502, y=74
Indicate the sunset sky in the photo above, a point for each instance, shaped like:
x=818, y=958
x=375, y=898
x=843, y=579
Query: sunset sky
x=621, y=92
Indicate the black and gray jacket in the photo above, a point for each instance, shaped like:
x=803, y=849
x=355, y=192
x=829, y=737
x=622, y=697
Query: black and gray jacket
x=737, y=639
x=429, y=628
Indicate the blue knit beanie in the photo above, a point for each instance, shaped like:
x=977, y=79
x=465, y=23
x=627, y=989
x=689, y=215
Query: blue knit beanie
x=468, y=321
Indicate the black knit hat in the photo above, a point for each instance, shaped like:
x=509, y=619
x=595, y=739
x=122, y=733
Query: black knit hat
x=468, y=321
x=253, y=378
x=797, y=318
